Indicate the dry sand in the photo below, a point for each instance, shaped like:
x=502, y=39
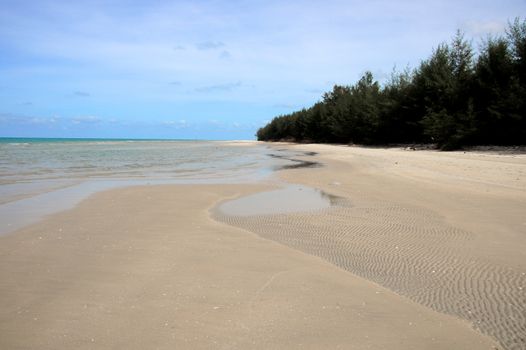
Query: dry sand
x=149, y=267
x=447, y=230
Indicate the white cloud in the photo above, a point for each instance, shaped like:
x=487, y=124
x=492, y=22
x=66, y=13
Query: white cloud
x=284, y=105
x=18, y=119
x=481, y=28
x=225, y=55
x=209, y=45
x=219, y=87
x=81, y=94
x=88, y=119
x=177, y=124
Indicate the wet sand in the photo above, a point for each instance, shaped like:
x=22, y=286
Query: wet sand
x=159, y=267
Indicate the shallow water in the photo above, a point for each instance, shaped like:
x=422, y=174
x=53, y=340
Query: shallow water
x=52, y=162
x=290, y=199
x=39, y=177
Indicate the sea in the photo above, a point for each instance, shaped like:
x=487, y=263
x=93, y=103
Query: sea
x=40, y=176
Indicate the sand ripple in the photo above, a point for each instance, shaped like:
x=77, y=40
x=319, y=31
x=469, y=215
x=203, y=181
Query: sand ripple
x=412, y=252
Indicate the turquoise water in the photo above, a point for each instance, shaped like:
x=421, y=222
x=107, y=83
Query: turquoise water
x=51, y=139
x=42, y=176
x=56, y=161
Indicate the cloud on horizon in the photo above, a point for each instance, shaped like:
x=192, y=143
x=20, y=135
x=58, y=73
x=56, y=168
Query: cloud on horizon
x=88, y=119
x=177, y=124
x=484, y=28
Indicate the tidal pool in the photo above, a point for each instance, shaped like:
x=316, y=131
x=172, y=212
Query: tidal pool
x=290, y=199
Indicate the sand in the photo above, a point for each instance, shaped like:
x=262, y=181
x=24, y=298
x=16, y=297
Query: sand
x=421, y=241
x=447, y=230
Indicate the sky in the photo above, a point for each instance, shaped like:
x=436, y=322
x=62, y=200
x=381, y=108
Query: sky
x=207, y=69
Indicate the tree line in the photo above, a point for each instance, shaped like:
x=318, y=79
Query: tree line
x=454, y=98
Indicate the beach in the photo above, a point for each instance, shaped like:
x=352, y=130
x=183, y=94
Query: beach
x=417, y=250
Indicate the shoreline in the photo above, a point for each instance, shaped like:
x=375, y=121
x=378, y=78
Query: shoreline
x=225, y=285
x=32, y=187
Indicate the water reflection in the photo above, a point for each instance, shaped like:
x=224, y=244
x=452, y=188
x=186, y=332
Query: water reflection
x=290, y=199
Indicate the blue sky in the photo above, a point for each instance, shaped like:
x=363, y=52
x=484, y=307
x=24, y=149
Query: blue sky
x=207, y=69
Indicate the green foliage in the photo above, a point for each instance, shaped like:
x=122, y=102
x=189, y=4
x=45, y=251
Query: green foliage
x=450, y=100
x=517, y=37
x=445, y=82
x=352, y=113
